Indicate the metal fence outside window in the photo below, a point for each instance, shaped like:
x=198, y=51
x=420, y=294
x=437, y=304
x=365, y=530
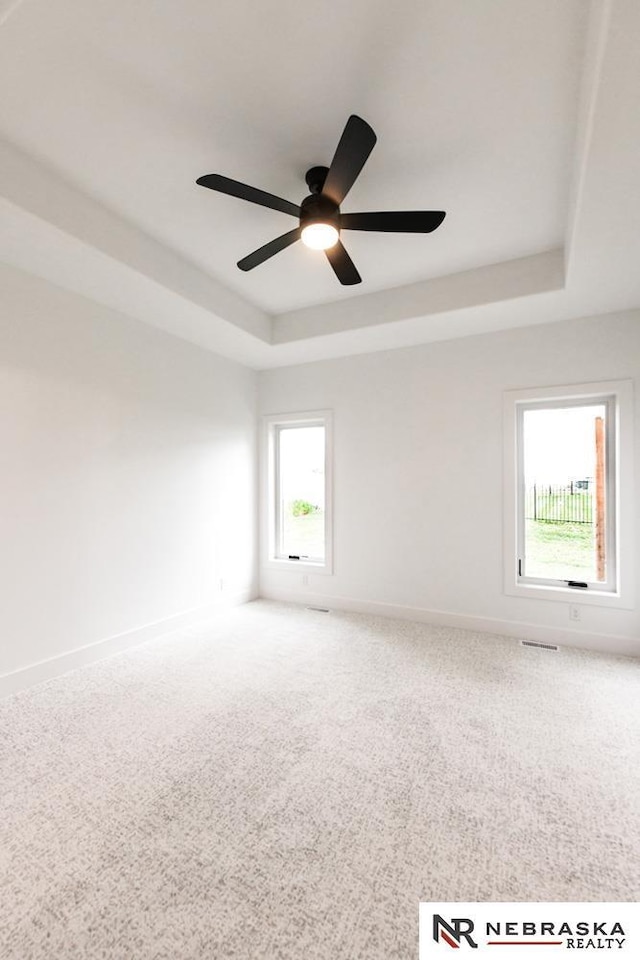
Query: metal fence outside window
x=560, y=503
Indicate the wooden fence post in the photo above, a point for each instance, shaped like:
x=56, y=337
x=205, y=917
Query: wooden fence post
x=600, y=518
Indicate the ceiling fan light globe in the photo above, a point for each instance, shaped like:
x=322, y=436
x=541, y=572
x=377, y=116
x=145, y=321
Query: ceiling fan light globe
x=320, y=236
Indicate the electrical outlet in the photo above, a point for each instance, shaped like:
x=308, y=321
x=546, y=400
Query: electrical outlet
x=575, y=613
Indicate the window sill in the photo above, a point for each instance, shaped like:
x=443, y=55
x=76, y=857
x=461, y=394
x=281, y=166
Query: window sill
x=598, y=598
x=294, y=566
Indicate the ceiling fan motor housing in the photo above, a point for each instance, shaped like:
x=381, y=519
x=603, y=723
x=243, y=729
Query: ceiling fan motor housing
x=318, y=209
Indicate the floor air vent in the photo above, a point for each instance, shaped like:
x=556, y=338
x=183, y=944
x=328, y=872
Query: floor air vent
x=541, y=646
x=319, y=609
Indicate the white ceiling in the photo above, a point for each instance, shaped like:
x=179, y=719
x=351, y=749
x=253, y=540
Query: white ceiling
x=517, y=117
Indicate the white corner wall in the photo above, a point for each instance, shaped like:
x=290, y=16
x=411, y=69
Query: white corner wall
x=418, y=475
x=128, y=480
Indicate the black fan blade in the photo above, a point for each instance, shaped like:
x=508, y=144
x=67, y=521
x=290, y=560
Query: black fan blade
x=356, y=143
x=269, y=250
x=400, y=221
x=236, y=189
x=343, y=265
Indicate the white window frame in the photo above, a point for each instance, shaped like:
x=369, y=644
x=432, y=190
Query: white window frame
x=609, y=403
x=272, y=425
x=618, y=591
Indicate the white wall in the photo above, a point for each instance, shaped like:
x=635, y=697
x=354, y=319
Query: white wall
x=418, y=474
x=127, y=477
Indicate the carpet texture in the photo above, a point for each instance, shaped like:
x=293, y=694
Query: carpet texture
x=286, y=784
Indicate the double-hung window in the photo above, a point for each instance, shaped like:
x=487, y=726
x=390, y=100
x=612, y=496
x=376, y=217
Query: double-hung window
x=568, y=493
x=298, y=490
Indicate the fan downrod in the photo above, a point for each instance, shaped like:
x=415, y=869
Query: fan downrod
x=315, y=178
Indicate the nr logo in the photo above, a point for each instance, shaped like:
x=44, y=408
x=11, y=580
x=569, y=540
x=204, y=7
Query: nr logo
x=459, y=928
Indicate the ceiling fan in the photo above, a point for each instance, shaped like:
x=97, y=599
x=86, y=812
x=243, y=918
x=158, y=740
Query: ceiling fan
x=319, y=216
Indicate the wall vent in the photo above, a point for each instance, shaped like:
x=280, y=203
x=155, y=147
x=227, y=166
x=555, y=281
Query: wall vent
x=541, y=646
x=319, y=609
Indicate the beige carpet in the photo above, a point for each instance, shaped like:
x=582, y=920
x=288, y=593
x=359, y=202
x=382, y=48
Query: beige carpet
x=288, y=784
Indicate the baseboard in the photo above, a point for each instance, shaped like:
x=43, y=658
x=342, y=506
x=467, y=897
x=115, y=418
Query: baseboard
x=81, y=656
x=604, y=643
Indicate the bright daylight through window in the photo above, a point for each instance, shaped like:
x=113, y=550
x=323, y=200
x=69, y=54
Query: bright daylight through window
x=299, y=514
x=566, y=493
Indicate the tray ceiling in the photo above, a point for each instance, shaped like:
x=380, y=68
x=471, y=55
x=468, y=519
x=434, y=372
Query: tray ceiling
x=509, y=116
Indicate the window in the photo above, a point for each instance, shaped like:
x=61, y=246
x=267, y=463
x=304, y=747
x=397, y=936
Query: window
x=299, y=490
x=567, y=489
x=566, y=503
